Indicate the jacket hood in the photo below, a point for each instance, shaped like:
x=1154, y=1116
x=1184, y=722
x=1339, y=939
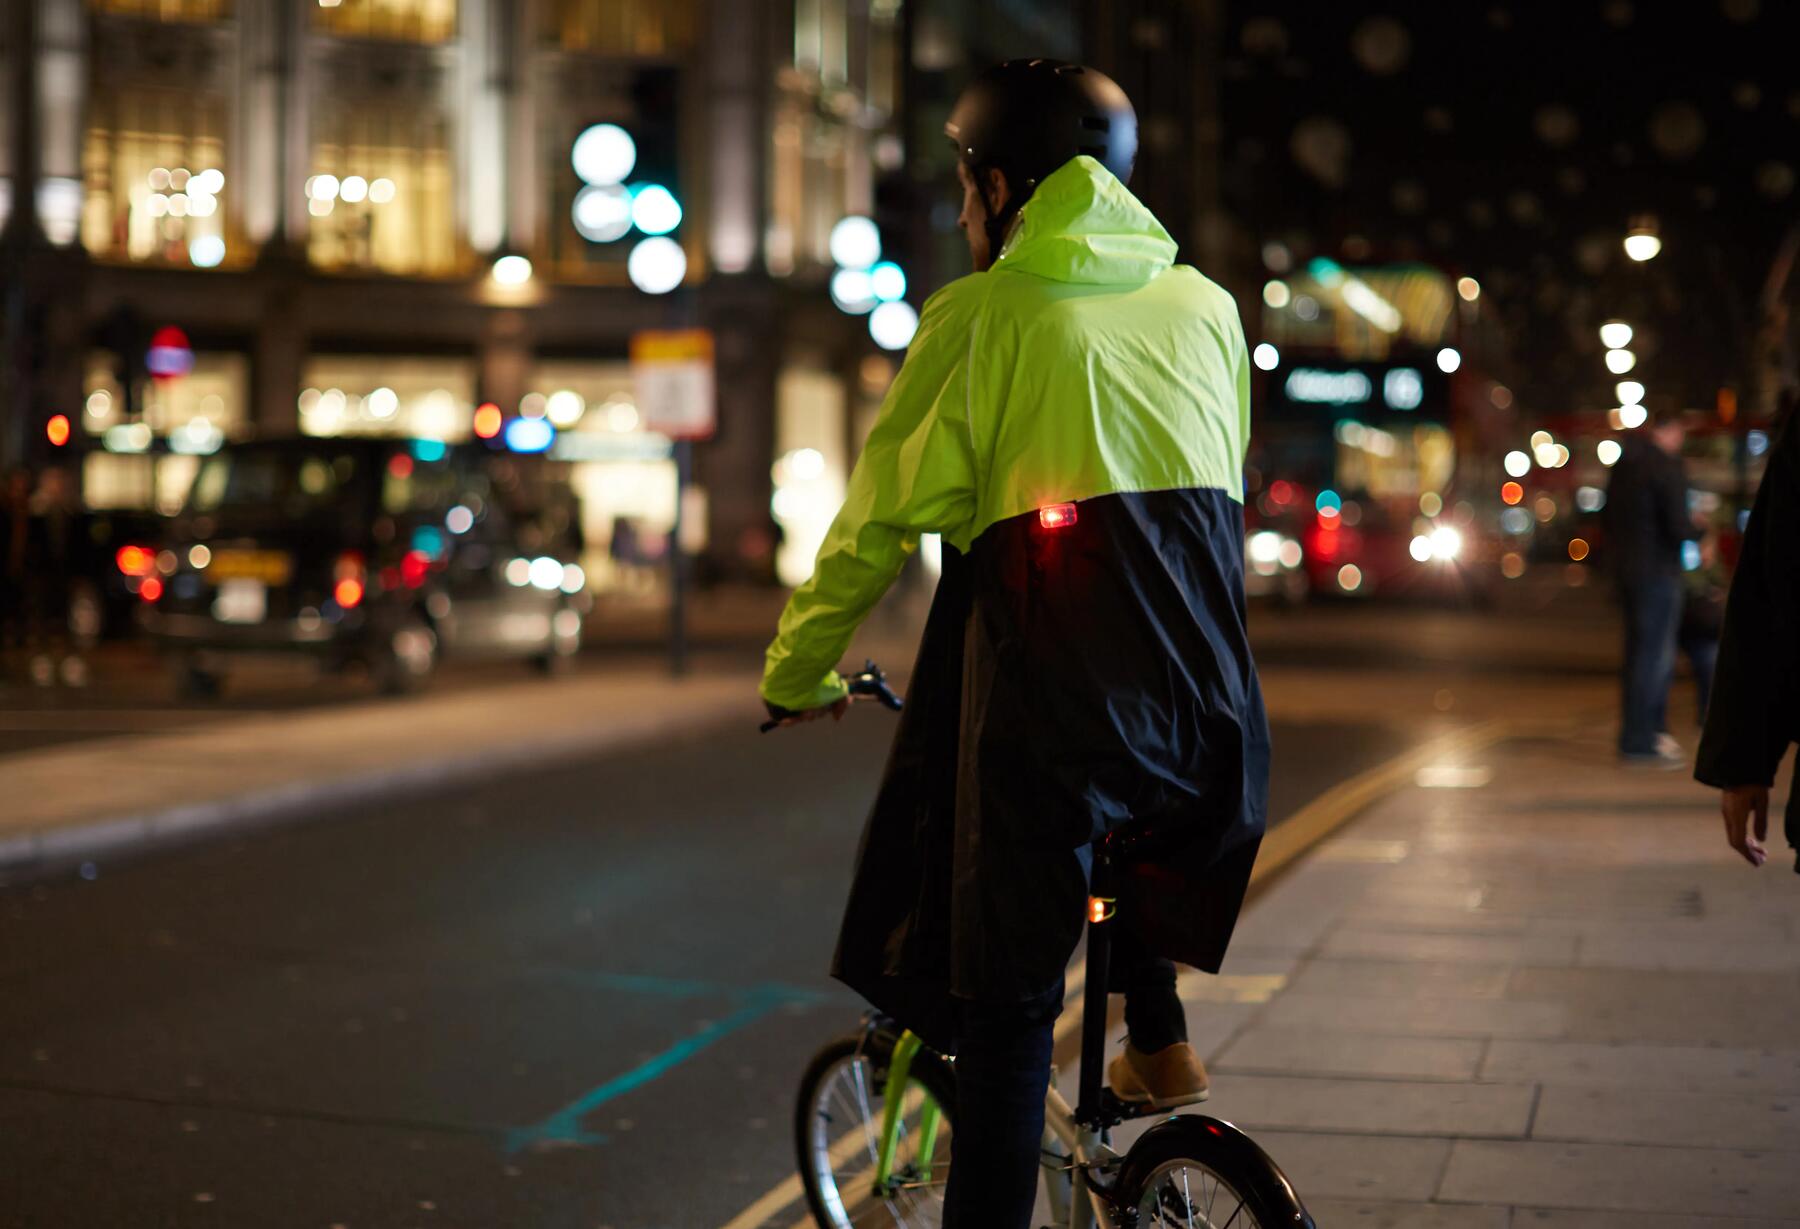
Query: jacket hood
x=1083, y=225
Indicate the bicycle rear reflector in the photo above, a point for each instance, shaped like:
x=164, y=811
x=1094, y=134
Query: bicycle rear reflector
x=1056, y=516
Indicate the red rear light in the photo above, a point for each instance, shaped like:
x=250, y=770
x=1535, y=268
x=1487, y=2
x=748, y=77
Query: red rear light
x=413, y=567
x=136, y=561
x=1057, y=516
x=350, y=575
x=151, y=589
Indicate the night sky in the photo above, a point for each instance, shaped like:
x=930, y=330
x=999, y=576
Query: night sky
x=1515, y=142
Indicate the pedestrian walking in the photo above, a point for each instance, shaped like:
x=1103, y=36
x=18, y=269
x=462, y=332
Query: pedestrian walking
x=1647, y=522
x=1755, y=710
x=1702, y=618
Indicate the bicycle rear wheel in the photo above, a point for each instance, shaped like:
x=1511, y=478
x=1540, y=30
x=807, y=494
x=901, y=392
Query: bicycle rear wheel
x=838, y=1125
x=1200, y=1173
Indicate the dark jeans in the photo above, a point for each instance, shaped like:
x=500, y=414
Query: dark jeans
x=1702, y=652
x=1652, y=609
x=1002, y=1072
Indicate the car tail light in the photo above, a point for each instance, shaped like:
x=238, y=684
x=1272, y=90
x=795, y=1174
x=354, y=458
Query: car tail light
x=351, y=576
x=136, y=560
x=1056, y=516
x=151, y=589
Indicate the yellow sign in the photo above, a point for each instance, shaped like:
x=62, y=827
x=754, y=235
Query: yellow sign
x=272, y=567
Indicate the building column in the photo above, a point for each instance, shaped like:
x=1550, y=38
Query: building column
x=485, y=81
x=735, y=76
x=503, y=375
x=62, y=110
x=256, y=169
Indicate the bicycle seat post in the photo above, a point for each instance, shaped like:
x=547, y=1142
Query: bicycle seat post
x=1102, y=898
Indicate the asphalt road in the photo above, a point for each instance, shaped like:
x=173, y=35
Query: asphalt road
x=577, y=998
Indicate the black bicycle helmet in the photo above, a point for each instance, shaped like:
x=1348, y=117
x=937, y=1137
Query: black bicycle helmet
x=1028, y=117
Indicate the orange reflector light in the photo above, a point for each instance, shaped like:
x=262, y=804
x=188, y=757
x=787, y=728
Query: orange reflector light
x=487, y=421
x=151, y=589
x=348, y=593
x=1098, y=910
x=1057, y=516
x=57, y=429
x=1511, y=493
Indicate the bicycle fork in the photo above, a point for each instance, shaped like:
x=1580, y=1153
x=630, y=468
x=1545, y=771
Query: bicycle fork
x=893, y=1105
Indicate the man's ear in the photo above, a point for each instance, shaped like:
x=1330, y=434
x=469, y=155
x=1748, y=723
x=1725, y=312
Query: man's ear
x=996, y=189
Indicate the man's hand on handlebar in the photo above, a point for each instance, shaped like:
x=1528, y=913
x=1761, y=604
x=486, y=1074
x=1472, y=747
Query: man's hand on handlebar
x=867, y=684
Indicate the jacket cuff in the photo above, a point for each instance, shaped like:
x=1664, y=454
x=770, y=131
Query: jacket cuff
x=827, y=691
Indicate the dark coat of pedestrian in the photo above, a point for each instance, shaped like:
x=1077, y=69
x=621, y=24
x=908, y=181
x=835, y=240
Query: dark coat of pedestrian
x=1755, y=710
x=1647, y=521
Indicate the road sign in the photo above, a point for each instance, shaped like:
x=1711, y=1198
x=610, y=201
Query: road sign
x=673, y=371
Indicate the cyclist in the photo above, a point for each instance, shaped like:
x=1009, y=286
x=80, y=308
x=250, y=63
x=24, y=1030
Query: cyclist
x=1072, y=418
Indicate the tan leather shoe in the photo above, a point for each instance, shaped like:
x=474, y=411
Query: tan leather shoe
x=1163, y=1080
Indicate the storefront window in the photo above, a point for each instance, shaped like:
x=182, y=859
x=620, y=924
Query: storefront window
x=165, y=10
x=811, y=468
x=620, y=27
x=365, y=394
x=380, y=191
x=405, y=21
x=156, y=178
x=623, y=475
x=146, y=462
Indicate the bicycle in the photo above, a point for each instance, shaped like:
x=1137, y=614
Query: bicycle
x=876, y=1110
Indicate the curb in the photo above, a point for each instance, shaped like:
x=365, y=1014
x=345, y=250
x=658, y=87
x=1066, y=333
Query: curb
x=35, y=854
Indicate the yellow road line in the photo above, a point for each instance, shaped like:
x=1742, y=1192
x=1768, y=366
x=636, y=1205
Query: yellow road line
x=1284, y=842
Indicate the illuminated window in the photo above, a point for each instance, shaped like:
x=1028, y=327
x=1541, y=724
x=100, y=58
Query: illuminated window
x=379, y=189
x=810, y=187
x=165, y=10
x=158, y=188
x=822, y=39
x=356, y=394
x=401, y=21
x=620, y=27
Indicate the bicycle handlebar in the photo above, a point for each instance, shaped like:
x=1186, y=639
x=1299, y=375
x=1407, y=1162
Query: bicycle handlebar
x=869, y=683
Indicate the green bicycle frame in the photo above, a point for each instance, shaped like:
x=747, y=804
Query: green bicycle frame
x=893, y=1098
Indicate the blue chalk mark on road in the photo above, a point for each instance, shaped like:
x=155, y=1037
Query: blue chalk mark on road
x=563, y=1128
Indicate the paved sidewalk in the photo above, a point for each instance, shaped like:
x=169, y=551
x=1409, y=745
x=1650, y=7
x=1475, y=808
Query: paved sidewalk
x=1542, y=992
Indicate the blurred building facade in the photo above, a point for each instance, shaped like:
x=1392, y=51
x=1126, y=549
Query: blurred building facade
x=317, y=196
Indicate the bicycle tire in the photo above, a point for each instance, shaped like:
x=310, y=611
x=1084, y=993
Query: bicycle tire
x=929, y=1071
x=1209, y=1145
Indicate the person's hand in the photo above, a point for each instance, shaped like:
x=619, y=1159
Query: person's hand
x=1740, y=805
x=783, y=716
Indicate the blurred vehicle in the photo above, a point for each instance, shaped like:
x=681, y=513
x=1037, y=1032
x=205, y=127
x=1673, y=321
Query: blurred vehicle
x=119, y=549
x=378, y=554
x=1375, y=448
x=1272, y=568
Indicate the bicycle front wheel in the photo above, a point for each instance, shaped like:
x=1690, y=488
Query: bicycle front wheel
x=843, y=1127
x=1200, y=1173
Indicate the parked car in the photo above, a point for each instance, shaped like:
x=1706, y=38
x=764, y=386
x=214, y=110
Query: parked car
x=379, y=554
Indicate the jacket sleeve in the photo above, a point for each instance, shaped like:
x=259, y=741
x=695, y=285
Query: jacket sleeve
x=916, y=475
x=1755, y=709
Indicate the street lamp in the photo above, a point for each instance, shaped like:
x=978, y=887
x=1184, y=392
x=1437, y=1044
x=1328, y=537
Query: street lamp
x=1620, y=361
x=1615, y=334
x=1642, y=242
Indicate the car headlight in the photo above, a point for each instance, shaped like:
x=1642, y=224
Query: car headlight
x=1265, y=546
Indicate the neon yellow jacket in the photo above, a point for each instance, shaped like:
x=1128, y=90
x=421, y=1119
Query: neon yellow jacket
x=1084, y=363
